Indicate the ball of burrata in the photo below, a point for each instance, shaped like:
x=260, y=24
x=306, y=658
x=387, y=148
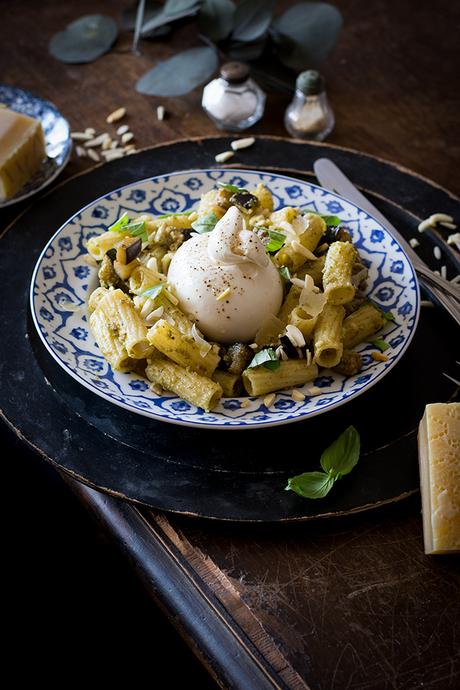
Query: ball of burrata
x=225, y=281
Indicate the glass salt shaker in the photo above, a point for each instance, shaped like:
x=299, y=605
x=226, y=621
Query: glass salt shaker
x=233, y=101
x=309, y=115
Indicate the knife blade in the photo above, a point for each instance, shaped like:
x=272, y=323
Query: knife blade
x=331, y=177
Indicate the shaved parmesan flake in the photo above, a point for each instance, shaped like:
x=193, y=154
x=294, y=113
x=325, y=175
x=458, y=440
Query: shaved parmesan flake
x=154, y=315
x=300, y=249
x=200, y=341
x=312, y=302
x=295, y=335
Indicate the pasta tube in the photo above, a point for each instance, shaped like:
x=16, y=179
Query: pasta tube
x=293, y=257
x=143, y=278
x=361, y=324
x=109, y=344
x=304, y=322
x=197, y=390
x=291, y=301
x=170, y=341
x=314, y=269
x=327, y=336
x=337, y=284
x=230, y=383
x=293, y=372
x=99, y=245
x=124, y=323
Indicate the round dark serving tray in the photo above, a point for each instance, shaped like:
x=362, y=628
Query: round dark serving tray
x=217, y=474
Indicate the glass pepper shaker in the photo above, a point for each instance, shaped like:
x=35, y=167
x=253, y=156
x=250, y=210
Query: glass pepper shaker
x=233, y=101
x=309, y=115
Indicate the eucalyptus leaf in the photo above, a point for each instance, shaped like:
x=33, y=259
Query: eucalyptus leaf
x=239, y=50
x=84, y=40
x=172, y=11
x=216, y=18
x=252, y=19
x=306, y=33
x=180, y=74
x=311, y=484
x=342, y=455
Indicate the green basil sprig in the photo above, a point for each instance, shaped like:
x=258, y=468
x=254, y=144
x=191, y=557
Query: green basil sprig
x=205, y=223
x=135, y=228
x=336, y=461
x=232, y=188
x=380, y=343
x=331, y=221
x=170, y=215
x=277, y=240
x=266, y=358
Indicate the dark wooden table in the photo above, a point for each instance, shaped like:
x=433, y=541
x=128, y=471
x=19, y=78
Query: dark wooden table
x=338, y=604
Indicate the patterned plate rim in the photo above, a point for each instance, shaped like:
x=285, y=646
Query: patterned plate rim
x=225, y=426
x=59, y=168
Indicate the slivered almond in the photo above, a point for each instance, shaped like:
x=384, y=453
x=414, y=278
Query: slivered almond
x=127, y=137
x=122, y=130
x=242, y=143
x=116, y=115
x=224, y=156
x=269, y=399
x=297, y=395
x=161, y=113
x=80, y=136
x=93, y=155
x=97, y=141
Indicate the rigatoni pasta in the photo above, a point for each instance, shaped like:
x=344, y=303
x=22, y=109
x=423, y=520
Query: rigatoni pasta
x=140, y=324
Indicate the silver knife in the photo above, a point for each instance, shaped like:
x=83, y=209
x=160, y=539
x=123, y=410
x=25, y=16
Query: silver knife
x=332, y=178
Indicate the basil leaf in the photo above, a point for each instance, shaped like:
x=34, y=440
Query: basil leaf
x=153, y=291
x=332, y=221
x=277, y=240
x=387, y=315
x=272, y=365
x=267, y=358
x=381, y=344
x=118, y=225
x=231, y=188
x=285, y=273
x=170, y=215
x=342, y=455
x=311, y=484
x=137, y=229
x=205, y=223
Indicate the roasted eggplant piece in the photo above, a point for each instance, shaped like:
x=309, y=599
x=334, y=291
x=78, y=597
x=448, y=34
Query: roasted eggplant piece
x=245, y=201
x=350, y=363
x=237, y=357
x=336, y=234
x=108, y=277
x=128, y=249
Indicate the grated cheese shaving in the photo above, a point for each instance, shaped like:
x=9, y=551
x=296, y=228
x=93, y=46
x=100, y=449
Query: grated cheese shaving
x=204, y=346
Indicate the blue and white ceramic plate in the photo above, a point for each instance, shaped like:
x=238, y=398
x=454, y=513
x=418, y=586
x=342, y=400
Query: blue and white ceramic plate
x=57, y=137
x=62, y=282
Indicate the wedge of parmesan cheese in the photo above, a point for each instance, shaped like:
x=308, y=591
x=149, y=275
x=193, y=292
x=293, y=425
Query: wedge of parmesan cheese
x=439, y=458
x=22, y=149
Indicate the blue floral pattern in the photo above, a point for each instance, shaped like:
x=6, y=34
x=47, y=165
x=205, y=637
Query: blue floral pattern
x=68, y=280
